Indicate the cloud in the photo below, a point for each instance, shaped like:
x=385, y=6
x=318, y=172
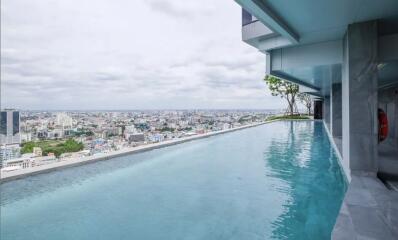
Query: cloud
x=125, y=55
x=180, y=8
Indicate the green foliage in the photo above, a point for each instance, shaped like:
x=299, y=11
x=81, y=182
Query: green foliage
x=244, y=119
x=167, y=129
x=306, y=100
x=27, y=147
x=290, y=117
x=280, y=87
x=284, y=89
x=82, y=132
x=56, y=147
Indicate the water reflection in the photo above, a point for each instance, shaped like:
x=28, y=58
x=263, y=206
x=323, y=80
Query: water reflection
x=311, y=180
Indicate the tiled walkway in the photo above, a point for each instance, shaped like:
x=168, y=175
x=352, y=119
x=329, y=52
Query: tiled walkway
x=369, y=211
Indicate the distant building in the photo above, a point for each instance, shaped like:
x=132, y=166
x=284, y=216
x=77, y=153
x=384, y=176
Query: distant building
x=64, y=120
x=37, y=151
x=136, y=137
x=156, y=138
x=10, y=127
x=226, y=126
x=130, y=129
x=8, y=152
x=37, y=161
x=131, y=134
x=18, y=163
x=26, y=137
x=42, y=134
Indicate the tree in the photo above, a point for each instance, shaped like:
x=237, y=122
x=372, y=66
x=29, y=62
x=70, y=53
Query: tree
x=27, y=147
x=284, y=89
x=306, y=100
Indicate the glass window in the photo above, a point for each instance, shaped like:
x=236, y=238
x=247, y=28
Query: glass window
x=15, y=123
x=3, y=123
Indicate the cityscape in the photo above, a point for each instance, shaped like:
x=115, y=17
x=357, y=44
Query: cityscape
x=36, y=138
x=200, y=120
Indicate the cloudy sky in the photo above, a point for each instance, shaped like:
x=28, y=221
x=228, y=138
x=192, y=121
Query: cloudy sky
x=128, y=54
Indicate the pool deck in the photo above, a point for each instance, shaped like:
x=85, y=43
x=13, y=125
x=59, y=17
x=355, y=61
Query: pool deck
x=16, y=174
x=369, y=210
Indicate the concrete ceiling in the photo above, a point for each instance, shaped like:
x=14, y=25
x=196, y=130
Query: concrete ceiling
x=321, y=20
x=308, y=23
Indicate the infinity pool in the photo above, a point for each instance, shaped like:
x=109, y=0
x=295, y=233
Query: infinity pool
x=276, y=181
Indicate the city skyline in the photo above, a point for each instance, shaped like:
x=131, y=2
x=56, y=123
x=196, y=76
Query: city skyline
x=34, y=138
x=188, y=55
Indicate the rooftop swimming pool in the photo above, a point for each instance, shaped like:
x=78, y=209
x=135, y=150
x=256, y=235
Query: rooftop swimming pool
x=280, y=180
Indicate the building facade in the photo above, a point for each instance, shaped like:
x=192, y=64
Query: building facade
x=10, y=135
x=10, y=127
x=8, y=152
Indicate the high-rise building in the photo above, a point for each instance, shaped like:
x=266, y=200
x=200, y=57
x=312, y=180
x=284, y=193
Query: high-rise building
x=10, y=127
x=8, y=152
x=64, y=120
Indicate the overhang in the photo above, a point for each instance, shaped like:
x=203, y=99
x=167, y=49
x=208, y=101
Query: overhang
x=306, y=45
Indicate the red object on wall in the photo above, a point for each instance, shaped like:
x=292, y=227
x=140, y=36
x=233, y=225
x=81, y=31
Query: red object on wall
x=383, y=125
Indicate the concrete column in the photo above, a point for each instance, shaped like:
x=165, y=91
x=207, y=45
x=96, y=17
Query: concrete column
x=336, y=112
x=326, y=111
x=359, y=96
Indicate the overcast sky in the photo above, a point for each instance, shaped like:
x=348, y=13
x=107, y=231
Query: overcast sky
x=128, y=54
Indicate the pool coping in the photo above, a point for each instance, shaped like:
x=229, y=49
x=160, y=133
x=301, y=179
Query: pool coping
x=347, y=174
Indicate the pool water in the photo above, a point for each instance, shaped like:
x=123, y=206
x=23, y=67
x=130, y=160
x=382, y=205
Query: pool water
x=280, y=180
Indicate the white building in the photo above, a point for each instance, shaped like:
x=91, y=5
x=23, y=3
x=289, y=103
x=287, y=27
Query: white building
x=26, y=137
x=17, y=163
x=130, y=129
x=8, y=152
x=226, y=126
x=64, y=120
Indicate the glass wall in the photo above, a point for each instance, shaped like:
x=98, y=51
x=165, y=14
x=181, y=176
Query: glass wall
x=3, y=123
x=15, y=123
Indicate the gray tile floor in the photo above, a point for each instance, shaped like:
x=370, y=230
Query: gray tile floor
x=369, y=211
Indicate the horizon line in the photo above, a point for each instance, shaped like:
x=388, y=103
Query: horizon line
x=150, y=109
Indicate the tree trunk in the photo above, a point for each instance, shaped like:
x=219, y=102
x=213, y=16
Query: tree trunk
x=291, y=109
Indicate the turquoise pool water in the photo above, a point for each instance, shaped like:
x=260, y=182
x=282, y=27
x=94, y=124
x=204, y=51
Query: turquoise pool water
x=276, y=181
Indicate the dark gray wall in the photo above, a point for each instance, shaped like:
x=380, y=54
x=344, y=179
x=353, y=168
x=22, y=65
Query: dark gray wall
x=336, y=117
